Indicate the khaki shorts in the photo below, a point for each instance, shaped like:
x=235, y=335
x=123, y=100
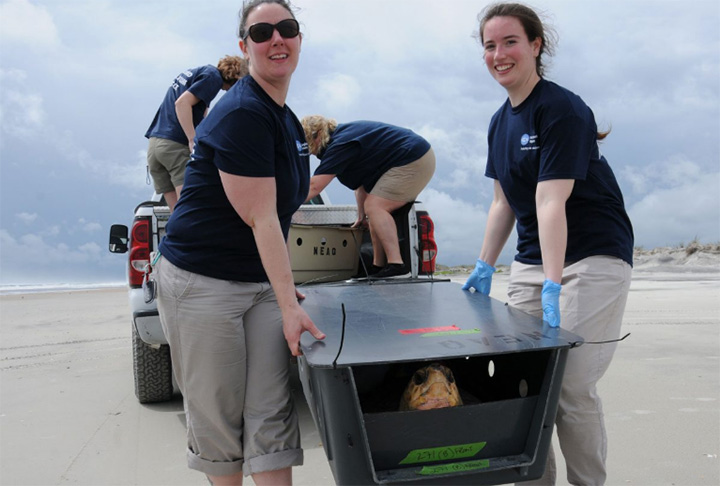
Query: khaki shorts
x=406, y=182
x=166, y=160
x=232, y=365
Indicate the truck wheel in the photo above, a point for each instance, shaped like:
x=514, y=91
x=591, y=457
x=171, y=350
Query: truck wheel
x=152, y=371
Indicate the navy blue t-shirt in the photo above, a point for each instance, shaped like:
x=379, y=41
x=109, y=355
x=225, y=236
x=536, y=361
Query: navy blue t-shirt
x=360, y=152
x=205, y=82
x=553, y=135
x=247, y=134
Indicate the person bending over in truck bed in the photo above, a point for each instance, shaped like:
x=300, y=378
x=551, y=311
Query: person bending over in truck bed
x=574, y=237
x=226, y=297
x=386, y=166
x=172, y=131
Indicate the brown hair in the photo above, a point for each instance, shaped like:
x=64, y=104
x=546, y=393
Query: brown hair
x=531, y=23
x=232, y=68
x=534, y=29
x=315, y=125
x=249, y=6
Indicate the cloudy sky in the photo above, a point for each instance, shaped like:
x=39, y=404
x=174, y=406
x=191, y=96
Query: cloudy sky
x=80, y=80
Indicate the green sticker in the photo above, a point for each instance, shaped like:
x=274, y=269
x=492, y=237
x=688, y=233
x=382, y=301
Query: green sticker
x=443, y=453
x=451, y=333
x=455, y=467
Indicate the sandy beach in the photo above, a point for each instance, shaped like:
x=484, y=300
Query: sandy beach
x=68, y=414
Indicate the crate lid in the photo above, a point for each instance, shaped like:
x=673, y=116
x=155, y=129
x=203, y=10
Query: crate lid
x=325, y=215
x=396, y=321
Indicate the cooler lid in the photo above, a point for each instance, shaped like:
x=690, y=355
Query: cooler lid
x=399, y=321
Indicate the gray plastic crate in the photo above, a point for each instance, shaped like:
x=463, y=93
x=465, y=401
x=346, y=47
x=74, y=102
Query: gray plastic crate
x=508, y=365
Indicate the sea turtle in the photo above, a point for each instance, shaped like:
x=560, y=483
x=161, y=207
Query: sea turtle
x=432, y=386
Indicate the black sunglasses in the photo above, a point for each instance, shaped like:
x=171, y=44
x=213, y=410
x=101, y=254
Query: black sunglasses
x=262, y=32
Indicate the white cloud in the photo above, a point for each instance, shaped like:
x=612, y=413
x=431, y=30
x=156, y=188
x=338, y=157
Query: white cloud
x=92, y=227
x=21, y=114
x=21, y=22
x=676, y=171
x=13, y=75
x=91, y=249
x=337, y=91
x=27, y=218
x=29, y=258
x=52, y=231
x=459, y=153
x=459, y=226
x=679, y=212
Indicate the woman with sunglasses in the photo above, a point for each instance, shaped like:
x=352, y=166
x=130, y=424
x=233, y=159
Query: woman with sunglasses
x=227, y=301
x=575, y=240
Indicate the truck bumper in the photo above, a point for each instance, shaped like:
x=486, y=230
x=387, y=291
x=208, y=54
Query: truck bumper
x=148, y=327
x=146, y=319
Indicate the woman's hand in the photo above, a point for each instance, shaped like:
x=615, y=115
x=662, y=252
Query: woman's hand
x=361, y=221
x=295, y=322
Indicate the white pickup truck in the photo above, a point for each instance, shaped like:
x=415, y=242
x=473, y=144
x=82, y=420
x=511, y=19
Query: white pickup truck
x=323, y=248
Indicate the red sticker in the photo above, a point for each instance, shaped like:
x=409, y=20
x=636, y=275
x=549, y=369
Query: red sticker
x=425, y=330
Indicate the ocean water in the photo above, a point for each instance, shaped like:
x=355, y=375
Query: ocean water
x=13, y=289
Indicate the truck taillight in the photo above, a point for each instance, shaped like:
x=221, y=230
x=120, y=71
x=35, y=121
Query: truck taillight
x=139, y=251
x=428, y=247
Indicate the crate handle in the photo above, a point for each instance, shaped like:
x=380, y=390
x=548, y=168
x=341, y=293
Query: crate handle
x=342, y=337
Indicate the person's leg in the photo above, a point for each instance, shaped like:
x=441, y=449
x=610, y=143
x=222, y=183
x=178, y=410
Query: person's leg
x=271, y=434
x=202, y=319
x=279, y=477
x=592, y=304
x=171, y=198
x=156, y=160
x=230, y=480
x=175, y=159
x=383, y=231
x=524, y=293
x=397, y=187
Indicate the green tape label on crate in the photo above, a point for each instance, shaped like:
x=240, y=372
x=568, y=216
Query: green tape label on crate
x=455, y=467
x=460, y=451
x=451, y=333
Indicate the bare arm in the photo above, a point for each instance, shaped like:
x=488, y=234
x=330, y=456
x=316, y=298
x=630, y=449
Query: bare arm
x=498, y=228
x=318, y=183
x=254, y=200
x=550, y=200
x=360, y=196
x=183, y=110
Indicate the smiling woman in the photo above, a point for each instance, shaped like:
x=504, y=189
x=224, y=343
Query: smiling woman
x=575, y=239
x=270, y=40
x=226, y=298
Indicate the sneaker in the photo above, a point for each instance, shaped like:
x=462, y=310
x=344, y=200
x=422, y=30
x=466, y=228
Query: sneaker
x=392, y=270
x=374, y=269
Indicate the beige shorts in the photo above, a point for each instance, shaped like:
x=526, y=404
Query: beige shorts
x=406, y=182
x=166, y=160
x=232, y=365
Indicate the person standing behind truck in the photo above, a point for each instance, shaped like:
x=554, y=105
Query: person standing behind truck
x=172, y=131
x=386, y=166
x=575, y=240
x=226, y=298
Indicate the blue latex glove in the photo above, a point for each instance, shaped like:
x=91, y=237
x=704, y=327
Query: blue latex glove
x=481, y=278
x=551, y=303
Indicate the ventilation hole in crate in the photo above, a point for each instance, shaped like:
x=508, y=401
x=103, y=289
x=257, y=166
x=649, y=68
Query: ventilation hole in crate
x=491, y=368
x=344, y=243
x=523, y=388
x=298, y=242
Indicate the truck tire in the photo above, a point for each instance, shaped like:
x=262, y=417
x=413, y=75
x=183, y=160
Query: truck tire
x=152, y=371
